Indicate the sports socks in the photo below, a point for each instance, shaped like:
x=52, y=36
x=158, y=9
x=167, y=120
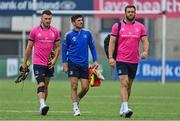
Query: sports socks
x=42, y=102
x=124, y=107
x=75, y=105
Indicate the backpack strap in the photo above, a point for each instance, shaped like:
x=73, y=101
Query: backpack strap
x=119, y=27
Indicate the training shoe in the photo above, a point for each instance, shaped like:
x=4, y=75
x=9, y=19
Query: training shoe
x=44, y=110
x=76, y=112
x=98, y=73
x=127, y=114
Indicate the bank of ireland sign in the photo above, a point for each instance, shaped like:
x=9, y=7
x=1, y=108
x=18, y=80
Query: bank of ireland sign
x=25, y=7
x=152, y=70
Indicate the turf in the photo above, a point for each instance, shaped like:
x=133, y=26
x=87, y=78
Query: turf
x=149, y=101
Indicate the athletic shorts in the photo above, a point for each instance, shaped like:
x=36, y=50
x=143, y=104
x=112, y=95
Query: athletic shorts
x=75, y=70
x=124, y=68
x=42, y=71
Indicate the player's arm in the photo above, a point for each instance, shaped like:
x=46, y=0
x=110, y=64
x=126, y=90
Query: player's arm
x=53, y=58
x=111, y=46
x=65, y=46
x=57, y=50
x=92, y=48
x=145, y=47
x=28, y=52
x=111, y=50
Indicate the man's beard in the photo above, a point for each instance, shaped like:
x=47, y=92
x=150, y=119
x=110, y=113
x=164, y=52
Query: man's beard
x=130, y=19
x=45, y=25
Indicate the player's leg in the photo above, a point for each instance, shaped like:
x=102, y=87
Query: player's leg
x=122, y=71
x=41, y=95
x=47, y=79
x=130, y=82
x=39, y=73
x=84, y=75
x=84, y=88
x=124, y=92
x=132, y=68
x=74, y=86
x=49, y=73
x=74, y=96
x=73, y=74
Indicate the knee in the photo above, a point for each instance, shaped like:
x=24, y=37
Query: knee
x=40, y=84
x=40, y=80
x=74, y=86
x=124, y=83
x=40, y=89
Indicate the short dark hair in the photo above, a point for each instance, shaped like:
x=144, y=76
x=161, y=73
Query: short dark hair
x=74, y=17
x=47, y=12
x=130, y=6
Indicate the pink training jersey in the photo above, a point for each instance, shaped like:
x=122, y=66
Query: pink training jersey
x=128, y=43
x=44, y=40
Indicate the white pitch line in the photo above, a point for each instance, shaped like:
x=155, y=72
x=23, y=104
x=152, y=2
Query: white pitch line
x=138, y=97
x=160, y=103
x=155, y=97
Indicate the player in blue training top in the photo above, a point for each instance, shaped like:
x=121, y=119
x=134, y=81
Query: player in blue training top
x=75, y=59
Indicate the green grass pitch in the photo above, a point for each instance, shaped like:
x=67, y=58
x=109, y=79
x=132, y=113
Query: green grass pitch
x=150, y=101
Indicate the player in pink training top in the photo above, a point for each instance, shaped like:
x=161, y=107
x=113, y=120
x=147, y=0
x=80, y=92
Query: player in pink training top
x=45, y=39
x=130, y=34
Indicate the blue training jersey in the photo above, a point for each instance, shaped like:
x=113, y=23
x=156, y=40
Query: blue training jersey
x=75, y=47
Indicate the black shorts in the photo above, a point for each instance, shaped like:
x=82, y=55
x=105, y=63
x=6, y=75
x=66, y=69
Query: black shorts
x=42, y=71
x=75, y=70
x=124, y=68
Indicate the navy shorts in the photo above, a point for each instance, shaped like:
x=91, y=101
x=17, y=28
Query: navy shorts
x=42, y=71
x=75, y=70
x=124, y=68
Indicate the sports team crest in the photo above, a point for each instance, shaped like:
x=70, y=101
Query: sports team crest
x=74, y=38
